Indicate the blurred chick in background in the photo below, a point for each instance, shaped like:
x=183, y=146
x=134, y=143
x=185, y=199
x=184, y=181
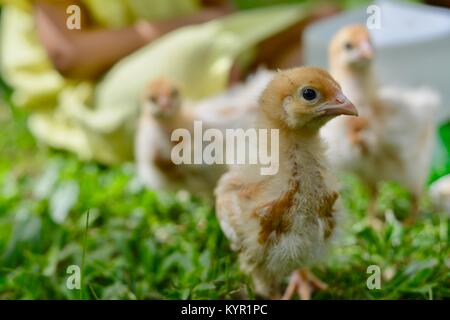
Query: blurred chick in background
x=280, y=223
x=237, y=106
x=440, y=194
x=161, y=111
x=164, y=109
x=393, y=137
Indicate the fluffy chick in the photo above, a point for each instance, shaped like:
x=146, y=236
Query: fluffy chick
x=164, y=109
x=237, y=106
x=440, y=194
x=393, y=137
x=160, y=109
x=280, y=223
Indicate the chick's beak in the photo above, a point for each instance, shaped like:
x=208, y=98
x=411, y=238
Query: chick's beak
x=164, y=103
x=366, y=51
x=339, y=106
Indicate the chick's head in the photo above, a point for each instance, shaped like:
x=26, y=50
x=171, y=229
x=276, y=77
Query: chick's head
x=304, y=98
x=351, y=48
x=161, y=98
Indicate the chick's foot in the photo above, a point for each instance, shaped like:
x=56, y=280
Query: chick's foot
x=415, y=212
x=304, y=283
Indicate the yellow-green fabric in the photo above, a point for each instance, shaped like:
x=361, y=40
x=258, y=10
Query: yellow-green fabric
x=120, y=13
x=97, y=120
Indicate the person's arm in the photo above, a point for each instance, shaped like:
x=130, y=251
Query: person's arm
x=88, y=52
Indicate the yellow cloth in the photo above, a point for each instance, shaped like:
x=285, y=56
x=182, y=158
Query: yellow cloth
x=97, y=121
x=120, y=13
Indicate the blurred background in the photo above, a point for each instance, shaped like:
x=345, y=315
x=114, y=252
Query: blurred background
x=68, y=188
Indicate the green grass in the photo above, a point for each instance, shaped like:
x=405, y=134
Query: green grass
x=144, y=245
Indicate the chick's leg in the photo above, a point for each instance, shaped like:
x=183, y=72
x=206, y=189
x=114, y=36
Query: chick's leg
x=372, y=211
x=266, y=285
x=304, y=283
x=415, y=211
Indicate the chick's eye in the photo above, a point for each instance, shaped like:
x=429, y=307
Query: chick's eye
x=309, y=94
x=348, y=46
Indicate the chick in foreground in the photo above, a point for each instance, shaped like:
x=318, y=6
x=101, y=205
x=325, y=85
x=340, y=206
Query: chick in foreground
x=393, y=137
x=281, y=223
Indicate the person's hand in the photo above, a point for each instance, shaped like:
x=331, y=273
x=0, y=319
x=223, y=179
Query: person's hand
x=146, y=30
x=222, y=6
x=236, y=74
x=149, y=31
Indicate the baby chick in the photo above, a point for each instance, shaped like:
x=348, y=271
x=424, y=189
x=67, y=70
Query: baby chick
x=235, y=107
x=392, y=138
x=440, y=194
x=160, y=111
x=283, y=222
x=164, y=109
